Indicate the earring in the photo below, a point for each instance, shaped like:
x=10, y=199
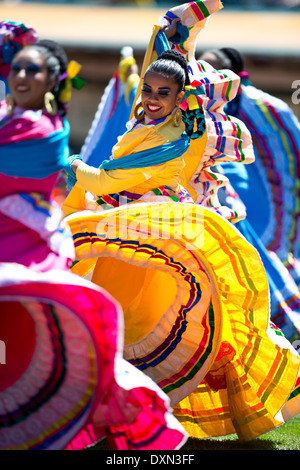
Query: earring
x=177, y=117
x=10, y=103
x=50, y=103
x=138, y=116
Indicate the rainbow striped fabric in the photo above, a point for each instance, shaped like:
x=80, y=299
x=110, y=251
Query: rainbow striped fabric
x=47, y=402
x=216, y=331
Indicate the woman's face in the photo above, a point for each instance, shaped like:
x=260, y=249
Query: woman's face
x=159, y=95
x=28, y=79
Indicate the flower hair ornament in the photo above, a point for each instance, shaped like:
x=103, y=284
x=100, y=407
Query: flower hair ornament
x=193, y=111
x=177, y=117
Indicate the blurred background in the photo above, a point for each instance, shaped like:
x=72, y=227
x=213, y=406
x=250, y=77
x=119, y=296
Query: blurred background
x=93, y=32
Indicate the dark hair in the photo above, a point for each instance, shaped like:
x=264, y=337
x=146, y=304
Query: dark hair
x=57, y=63
x=172, y=64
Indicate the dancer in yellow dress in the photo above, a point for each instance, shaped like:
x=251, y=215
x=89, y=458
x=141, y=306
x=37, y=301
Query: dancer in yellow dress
x=194, y=292
x=65, y=384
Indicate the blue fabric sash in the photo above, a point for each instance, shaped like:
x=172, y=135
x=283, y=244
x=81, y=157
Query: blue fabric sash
x=150, y=157
x=36, y=158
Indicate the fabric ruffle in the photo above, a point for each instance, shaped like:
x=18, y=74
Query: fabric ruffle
x=155, y=427
x=193, y=17
x=276, y=138
x=236, y=396
x=16, y=35
x=228, y=139
x=194, y=292
x=161, y=194
x=45, y=402
x=63, y=361
x=178, y=340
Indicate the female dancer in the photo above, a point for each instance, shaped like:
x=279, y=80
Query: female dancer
x=65, y=383
x=193, y=290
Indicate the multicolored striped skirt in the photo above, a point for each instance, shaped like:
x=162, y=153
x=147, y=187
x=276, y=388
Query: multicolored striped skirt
x=61, y=357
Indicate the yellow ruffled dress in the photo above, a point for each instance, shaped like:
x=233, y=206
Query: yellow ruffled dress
x=194, y=292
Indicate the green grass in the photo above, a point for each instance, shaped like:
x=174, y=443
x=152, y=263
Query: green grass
x=285, y=437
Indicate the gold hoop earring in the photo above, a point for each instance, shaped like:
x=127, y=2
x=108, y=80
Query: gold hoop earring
x=177, y=117
x=10, y=103
x=138, y=116
x=50, y=103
